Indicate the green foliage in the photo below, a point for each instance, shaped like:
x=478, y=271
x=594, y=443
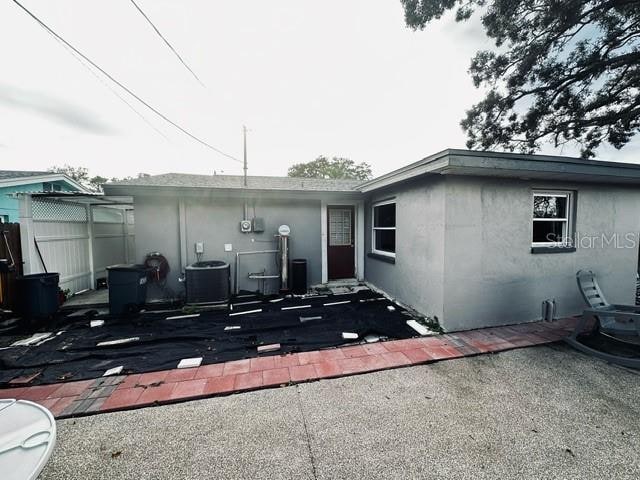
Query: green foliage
x=336, y=167
x=81, y=175
x=562, y=71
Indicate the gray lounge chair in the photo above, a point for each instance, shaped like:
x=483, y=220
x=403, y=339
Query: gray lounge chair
x=611, y=320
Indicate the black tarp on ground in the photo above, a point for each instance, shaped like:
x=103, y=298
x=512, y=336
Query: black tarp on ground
x=73, y=354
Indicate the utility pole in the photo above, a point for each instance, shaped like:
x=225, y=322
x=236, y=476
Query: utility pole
x=244, y=139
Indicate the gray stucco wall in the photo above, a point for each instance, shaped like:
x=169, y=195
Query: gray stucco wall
x=416, y=278
x=492, y=278
x=463, y=249
x=215, y=221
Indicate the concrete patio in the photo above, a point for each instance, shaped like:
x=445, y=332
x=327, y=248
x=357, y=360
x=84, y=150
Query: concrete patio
x=540, y=412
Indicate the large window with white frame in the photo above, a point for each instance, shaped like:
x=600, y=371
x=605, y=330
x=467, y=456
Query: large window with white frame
x=552, y=218
x=383, y=241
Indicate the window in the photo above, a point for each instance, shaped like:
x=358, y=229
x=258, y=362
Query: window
x=552, y=219
x=383, y=240
x=340, y=227
x=51, y=187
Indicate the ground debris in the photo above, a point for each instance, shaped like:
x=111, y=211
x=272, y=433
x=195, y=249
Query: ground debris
x=570, y=452
x=116, y=454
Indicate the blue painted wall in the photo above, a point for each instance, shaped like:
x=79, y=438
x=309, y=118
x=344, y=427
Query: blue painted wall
x=9, y=205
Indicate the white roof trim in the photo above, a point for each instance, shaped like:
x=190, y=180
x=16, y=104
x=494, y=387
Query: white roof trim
x=53, y=177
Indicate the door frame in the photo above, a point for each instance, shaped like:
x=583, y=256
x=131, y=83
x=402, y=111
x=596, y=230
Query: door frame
x=358, y=209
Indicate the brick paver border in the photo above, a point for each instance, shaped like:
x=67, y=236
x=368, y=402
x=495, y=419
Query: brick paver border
x=114, y=393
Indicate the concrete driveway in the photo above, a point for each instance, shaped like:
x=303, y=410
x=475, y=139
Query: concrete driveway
x=544, y=412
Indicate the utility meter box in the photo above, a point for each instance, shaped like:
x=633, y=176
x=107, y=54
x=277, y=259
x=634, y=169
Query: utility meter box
x=245, y=226
x=258, y=224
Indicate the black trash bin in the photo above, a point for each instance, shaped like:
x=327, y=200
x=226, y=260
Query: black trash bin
x=38, y=295
x=127, y=288
x=299, y=276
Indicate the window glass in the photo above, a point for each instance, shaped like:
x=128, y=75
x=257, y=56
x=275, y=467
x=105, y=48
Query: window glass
x=551, y=223
x=546, y=232
x=384, y=215
x=546, y=206
x=385, y=240
x=384, y=229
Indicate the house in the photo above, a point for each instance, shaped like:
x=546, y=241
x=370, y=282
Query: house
x=472, y=238
x=13, y=182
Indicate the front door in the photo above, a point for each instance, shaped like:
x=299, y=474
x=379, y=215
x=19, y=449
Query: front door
x=340, y=242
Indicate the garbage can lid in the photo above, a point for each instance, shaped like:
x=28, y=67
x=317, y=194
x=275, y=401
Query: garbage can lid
x=27, y=435
x=127, y=267
x=299, y=260
x=207, y=264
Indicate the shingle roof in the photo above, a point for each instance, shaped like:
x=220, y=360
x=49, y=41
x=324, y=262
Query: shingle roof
x=236, y=182
x=8, y=174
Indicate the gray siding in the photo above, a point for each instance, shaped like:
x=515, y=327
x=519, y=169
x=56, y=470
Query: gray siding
x=491, y=276
x=215, y=221
x=416, y=278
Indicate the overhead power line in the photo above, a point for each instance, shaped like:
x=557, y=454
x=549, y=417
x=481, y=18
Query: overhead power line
x=112, y=90
x=166, y=41
x=126, y=89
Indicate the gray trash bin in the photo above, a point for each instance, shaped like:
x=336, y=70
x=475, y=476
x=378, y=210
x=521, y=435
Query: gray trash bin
x=127, y=288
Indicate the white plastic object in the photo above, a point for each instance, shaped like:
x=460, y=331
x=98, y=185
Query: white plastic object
x=349, y=336
x=228, y=247
x=34, y=339
x=113, y=371
x=178, y=317
x=27, y=439
x=421, y=329
x=190, y=362
x=119, y=341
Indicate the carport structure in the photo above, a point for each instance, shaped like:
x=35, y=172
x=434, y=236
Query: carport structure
x=76, y=235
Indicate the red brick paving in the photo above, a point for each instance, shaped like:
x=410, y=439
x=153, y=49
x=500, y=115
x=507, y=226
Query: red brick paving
x=71, y=389
x=210, y=371
x=276, y=376
x=152, y=377
x=245, y=381
x=262, y=363
x=156, y=394
x=188, y=388
x=120, y=392
x=327, y=368
x=301, y=373
x=237, y=366
x=220, y=385
x=181, y=375
x=123, y=398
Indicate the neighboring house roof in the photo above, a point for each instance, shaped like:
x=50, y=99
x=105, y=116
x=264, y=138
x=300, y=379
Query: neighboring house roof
x=235, y=182
x=446, y=162
x=10, y=174
x=510, y=165
x=12, y=178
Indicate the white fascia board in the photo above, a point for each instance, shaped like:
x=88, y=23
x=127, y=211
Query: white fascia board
x=54, y=177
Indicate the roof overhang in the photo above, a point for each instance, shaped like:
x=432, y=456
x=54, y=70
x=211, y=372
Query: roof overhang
x=200, y=192
x=95, y=199
x=509, y=165
x=52, y=177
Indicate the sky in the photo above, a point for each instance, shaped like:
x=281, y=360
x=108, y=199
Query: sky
x=334, y=77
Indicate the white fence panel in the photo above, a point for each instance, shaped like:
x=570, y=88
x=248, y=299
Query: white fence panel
x=79, y=242
x=65, y=249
